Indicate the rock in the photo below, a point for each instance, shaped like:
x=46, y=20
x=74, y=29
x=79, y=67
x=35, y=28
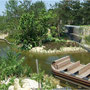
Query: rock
x=3, y=36
x=63, y=49
x=11, y=87
x=16, y=84
x=29, y=83
x=58, y=86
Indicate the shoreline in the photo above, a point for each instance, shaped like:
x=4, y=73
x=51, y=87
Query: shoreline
x=3, y=37
x=61, y=50
x=43, y=50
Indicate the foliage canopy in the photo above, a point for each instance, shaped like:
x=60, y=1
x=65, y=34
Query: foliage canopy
x=32, y=29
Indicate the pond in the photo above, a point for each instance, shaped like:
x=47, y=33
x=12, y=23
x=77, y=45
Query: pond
x=45, y=60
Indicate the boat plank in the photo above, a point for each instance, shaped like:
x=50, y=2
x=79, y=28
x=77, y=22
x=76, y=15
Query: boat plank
x=85, y=74
x=75, y=69
x=73, y=66
x=65, y=67
x=62, y=59
x=84, y=69
x=63, y=64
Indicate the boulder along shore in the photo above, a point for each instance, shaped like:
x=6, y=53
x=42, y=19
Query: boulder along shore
x=61, y=50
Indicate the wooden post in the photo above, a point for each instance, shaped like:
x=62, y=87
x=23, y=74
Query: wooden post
x=37, y=67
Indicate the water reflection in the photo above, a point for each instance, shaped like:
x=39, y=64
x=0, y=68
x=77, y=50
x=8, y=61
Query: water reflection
x=51, y=59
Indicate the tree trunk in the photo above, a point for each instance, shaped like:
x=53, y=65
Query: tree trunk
x=58, y=30
x=59, y=26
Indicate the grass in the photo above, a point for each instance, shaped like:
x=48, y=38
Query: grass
x=87, y=39
x=12, y=40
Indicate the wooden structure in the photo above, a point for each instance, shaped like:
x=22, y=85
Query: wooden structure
x=73, y=71
x=74, y=32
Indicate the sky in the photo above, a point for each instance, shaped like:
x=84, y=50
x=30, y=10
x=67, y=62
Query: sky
x=47, y=2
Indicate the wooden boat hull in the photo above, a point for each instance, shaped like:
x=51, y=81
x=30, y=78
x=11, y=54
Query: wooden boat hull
x=70, y=77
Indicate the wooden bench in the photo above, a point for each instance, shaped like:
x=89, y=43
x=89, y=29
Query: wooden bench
x=62, y=59
x=84, y=69
x=57, y=62
x=74, y=65
x=63, y=63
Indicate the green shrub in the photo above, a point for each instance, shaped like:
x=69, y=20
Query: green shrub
x=47, y=82
x=6, y=86
x=11, y=65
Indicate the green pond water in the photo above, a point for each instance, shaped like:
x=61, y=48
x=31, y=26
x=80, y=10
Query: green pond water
x=45, y=60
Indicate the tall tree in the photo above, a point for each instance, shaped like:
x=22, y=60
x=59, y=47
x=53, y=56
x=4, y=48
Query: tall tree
x=14, y=10
x=37, y=7
x=11, y=8
x=76, y=12
x=86, y=12
x=63, y=10
x=25, y=5
x=11, y=14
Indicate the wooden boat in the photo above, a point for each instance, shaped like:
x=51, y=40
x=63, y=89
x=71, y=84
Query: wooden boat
x=73, y=71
